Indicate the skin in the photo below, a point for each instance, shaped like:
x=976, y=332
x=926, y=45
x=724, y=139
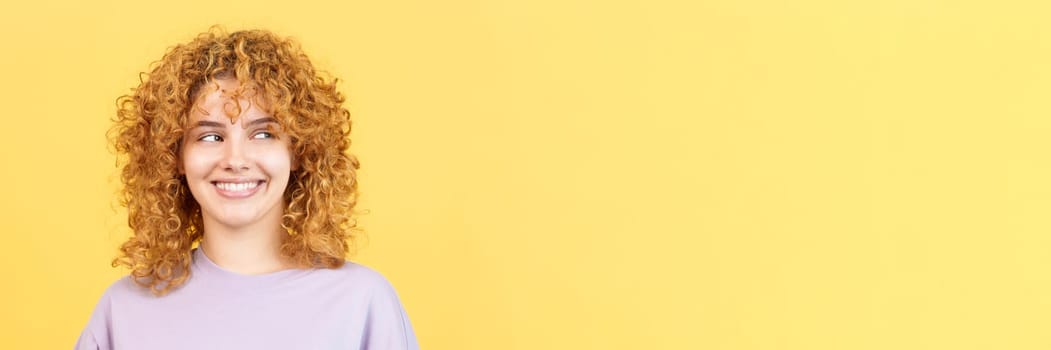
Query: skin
x=242, y=227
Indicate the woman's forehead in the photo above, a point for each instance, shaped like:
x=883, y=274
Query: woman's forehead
x=228, y=99
x=228, y=88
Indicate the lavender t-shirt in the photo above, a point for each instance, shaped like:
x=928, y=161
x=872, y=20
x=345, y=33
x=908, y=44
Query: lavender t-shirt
x=352, y=307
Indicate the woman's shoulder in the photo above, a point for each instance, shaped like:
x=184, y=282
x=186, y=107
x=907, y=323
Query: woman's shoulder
x=123, y=288
x=356, y=274
x=96, y=333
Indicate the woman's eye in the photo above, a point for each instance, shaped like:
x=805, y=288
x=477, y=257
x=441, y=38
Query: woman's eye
x=210, y=138
x=263, y=135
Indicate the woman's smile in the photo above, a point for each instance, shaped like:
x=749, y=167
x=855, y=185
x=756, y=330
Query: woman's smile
x=239, y=189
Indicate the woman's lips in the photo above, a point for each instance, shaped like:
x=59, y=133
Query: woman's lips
x=237, y=189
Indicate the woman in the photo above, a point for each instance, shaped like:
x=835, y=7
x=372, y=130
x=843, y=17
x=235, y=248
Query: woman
x=239, y=190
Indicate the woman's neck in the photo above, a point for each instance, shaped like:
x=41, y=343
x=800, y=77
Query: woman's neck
x=251, y=250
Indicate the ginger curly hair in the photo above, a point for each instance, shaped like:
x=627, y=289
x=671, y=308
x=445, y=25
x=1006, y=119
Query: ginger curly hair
x=150, y=124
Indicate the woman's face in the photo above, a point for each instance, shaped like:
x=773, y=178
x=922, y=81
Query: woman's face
x=236, y=159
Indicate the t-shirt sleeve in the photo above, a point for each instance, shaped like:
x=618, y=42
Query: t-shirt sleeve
x=95, y=335
x=387, y=325
x=86, y=341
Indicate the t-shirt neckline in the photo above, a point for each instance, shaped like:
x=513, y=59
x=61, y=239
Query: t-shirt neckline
x=209, y=269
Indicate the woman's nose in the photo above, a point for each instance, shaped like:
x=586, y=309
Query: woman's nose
x=234, y=157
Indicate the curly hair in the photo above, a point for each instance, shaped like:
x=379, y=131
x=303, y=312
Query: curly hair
x=150, y=124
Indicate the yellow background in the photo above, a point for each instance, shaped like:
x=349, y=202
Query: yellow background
x=603, y=174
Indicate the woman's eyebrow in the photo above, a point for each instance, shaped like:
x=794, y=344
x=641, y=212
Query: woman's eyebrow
x=215, y=124
x=263, y=120
x=207, y=124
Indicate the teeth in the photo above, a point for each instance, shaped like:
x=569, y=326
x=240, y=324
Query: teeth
x=236, y=186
